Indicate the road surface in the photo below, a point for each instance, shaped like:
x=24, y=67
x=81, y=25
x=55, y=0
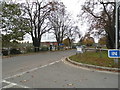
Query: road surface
x=49, y=70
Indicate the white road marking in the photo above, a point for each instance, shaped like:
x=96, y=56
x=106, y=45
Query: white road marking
x=13, y=84
x=89, y=69
x=20, y=74
x=52, y=63
x=9, y=86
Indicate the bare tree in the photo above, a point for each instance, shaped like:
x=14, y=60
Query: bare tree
x=37, y=13
x=57, y=19
x=73, y=32
x=101, y=19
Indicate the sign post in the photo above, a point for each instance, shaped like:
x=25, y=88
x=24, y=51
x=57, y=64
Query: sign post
x=79, y=50
x=116, y=29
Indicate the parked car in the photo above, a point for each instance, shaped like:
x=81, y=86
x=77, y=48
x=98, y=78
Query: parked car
x=5, y=51
x=15, y=51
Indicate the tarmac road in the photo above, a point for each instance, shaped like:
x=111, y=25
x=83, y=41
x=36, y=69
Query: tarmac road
x=49, y=70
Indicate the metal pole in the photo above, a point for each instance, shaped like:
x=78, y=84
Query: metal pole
x=116, y=27
x=119, y=26
x=116, y=30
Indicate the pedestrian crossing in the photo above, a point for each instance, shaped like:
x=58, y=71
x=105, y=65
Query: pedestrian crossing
x=7, y=84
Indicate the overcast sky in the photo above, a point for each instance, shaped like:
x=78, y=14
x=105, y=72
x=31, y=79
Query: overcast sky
x=73, y=7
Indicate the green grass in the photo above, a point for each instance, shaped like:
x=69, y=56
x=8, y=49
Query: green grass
x=94, y=58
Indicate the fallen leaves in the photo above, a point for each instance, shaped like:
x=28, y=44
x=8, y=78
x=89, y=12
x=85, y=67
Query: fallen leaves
x=65, y=80
x=55, y=81
x=28, y=72
x=32, y=76
x=105, y=78
x=70, y=84
x=23, y=81
x=18, y=75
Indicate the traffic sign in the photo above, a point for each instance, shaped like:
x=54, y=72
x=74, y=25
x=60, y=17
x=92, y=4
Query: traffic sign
x=79, y=49
x=61, y=44
x=114, y=53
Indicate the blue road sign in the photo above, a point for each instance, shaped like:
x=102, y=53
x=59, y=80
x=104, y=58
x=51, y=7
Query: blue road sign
x=61, y=44
x=114, y=53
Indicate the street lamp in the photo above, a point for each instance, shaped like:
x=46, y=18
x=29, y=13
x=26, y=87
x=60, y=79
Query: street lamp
x=119, y=25
x=116, y=27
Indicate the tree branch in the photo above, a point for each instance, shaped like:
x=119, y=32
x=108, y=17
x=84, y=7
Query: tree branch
x=109, y=18
x=90, y=12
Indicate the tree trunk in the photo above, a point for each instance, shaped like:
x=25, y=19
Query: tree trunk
x=70, y=43
x=111, y=40
x=110, y=30
x=36, y=44
x=58, y=45
x=110, y=43
x=36, y=49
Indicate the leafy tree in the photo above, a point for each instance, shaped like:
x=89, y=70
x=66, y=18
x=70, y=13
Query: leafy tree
x=15, y=44
x=87, y=40
x=101, y=16
x=13, y=24
x=6, y=40
x=102, y=41
x=66, y=42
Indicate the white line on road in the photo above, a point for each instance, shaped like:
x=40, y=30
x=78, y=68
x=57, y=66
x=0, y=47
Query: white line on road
x=9, y=86
x=20, y=74
x=13, y=84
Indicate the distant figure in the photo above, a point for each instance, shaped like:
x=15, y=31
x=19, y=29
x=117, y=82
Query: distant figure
x=50, y=47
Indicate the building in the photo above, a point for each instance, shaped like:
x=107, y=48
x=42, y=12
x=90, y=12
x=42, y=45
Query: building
x=48, y=43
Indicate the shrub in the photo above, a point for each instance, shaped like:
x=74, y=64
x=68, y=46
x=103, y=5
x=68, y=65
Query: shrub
x=29, y=49
x=44, y=48
x=15, y=51
x=74, y=47
x=4, y=52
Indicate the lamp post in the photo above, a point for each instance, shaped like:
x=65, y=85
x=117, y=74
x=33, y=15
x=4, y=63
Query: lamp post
x=119, y=24
x=116, y=28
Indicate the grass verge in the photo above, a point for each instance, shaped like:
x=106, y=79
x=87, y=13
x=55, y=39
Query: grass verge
x=95, y=58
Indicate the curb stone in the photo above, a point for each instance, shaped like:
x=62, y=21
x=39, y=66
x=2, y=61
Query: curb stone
x=93, y=66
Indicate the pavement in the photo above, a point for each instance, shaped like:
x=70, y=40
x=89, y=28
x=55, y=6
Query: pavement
x=50, y=70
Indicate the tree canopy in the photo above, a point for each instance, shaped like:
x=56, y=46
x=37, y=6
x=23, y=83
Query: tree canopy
x=13, y=23
x=57, y=19
x=36, y=18
x=102, y=41
x=101, y=16
x=66, y=42
x=37, y=15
